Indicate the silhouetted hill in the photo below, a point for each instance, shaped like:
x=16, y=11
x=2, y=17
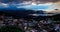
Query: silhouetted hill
x=18, y=13
x=24, y=13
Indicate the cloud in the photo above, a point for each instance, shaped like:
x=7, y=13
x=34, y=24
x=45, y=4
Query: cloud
x=9, y=1
x=35, y=7
x=3, y=5
x=29, y=5
x=45, y=6
x=49, y=0
x=42, y=1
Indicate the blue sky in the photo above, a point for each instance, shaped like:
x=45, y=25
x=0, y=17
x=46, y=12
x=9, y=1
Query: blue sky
x=45, y=6
x=36, y=7
x=32, y=7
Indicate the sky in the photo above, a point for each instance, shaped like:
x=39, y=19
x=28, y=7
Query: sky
x=42, y=1
x=31, y=4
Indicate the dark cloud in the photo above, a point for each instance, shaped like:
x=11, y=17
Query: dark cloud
x=42, y=1
x=7, y=1
x=48, y=0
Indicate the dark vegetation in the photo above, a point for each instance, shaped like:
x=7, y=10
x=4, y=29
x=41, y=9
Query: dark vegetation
x=10, y=29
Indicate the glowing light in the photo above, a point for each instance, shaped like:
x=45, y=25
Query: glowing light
x=34, y=3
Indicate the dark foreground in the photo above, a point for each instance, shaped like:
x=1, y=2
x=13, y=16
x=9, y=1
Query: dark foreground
x=25, y=23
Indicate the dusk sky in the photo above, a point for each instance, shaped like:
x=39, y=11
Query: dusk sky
x=31, y=4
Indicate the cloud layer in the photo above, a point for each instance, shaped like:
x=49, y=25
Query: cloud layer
x=48, y=5
x=49, y=0
x=42, y=1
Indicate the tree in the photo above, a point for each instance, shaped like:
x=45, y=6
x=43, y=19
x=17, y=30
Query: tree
x=10, y=29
